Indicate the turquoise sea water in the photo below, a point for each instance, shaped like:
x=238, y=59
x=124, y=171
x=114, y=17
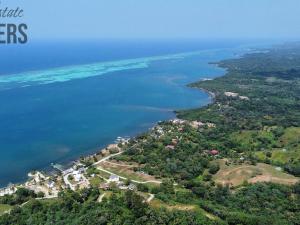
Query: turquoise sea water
x=63, y=74
x=56, y=110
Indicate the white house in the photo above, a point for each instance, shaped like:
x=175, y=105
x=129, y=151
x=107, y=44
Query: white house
x=131, y=187
x=77, y=175
x=114, y=178
x=231, y=94
x=50, y=184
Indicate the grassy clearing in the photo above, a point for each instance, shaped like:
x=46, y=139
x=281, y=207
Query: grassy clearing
x=235, y=175
x=156, y=203
x=255, y=140
x=290, y=148
x=291, y=137
x=280, y=156
x=252, y=139
x=103, y=174
x=126, y=171
x=108, y=194
x=143, y=194
x=4, y=208
x=49, y=200
x=96, y=181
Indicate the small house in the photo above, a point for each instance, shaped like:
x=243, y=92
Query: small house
x=214, y=152
x=77, y=176
x=131, y=187
x=114, y=178
x=50, y=184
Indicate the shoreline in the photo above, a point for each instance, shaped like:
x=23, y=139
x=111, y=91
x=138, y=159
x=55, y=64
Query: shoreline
x=211, y=94
x=49, y=170
x=53, y=167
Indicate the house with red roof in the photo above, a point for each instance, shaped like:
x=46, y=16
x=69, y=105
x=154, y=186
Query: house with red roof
x=214, y=152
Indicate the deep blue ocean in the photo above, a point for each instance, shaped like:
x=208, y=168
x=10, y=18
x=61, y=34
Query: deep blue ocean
x=61, y=100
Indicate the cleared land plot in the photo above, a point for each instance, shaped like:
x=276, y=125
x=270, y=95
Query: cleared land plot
x=4, y=208
x=280, y=156
x=234, y=175
x=289, y=150
x=156, y=203
x=291, y=136
x=253, y=139
x=125, y=170
x=103, y=174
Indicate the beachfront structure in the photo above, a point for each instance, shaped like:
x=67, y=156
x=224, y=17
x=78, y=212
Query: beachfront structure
x=77, y=176
x=121, y=140
x=7, y=191
x=50, y=184
x=67, y=171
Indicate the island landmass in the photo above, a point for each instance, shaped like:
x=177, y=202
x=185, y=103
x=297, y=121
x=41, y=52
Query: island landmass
x=234, y=161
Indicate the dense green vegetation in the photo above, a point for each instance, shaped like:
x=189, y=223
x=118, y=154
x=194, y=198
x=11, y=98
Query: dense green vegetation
x=269, y=119
x=258, y=120
x=81, y=208
x=186, y=161
x=4, y=208
x=256, y=204
x=22, y=195
x=259, y=117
